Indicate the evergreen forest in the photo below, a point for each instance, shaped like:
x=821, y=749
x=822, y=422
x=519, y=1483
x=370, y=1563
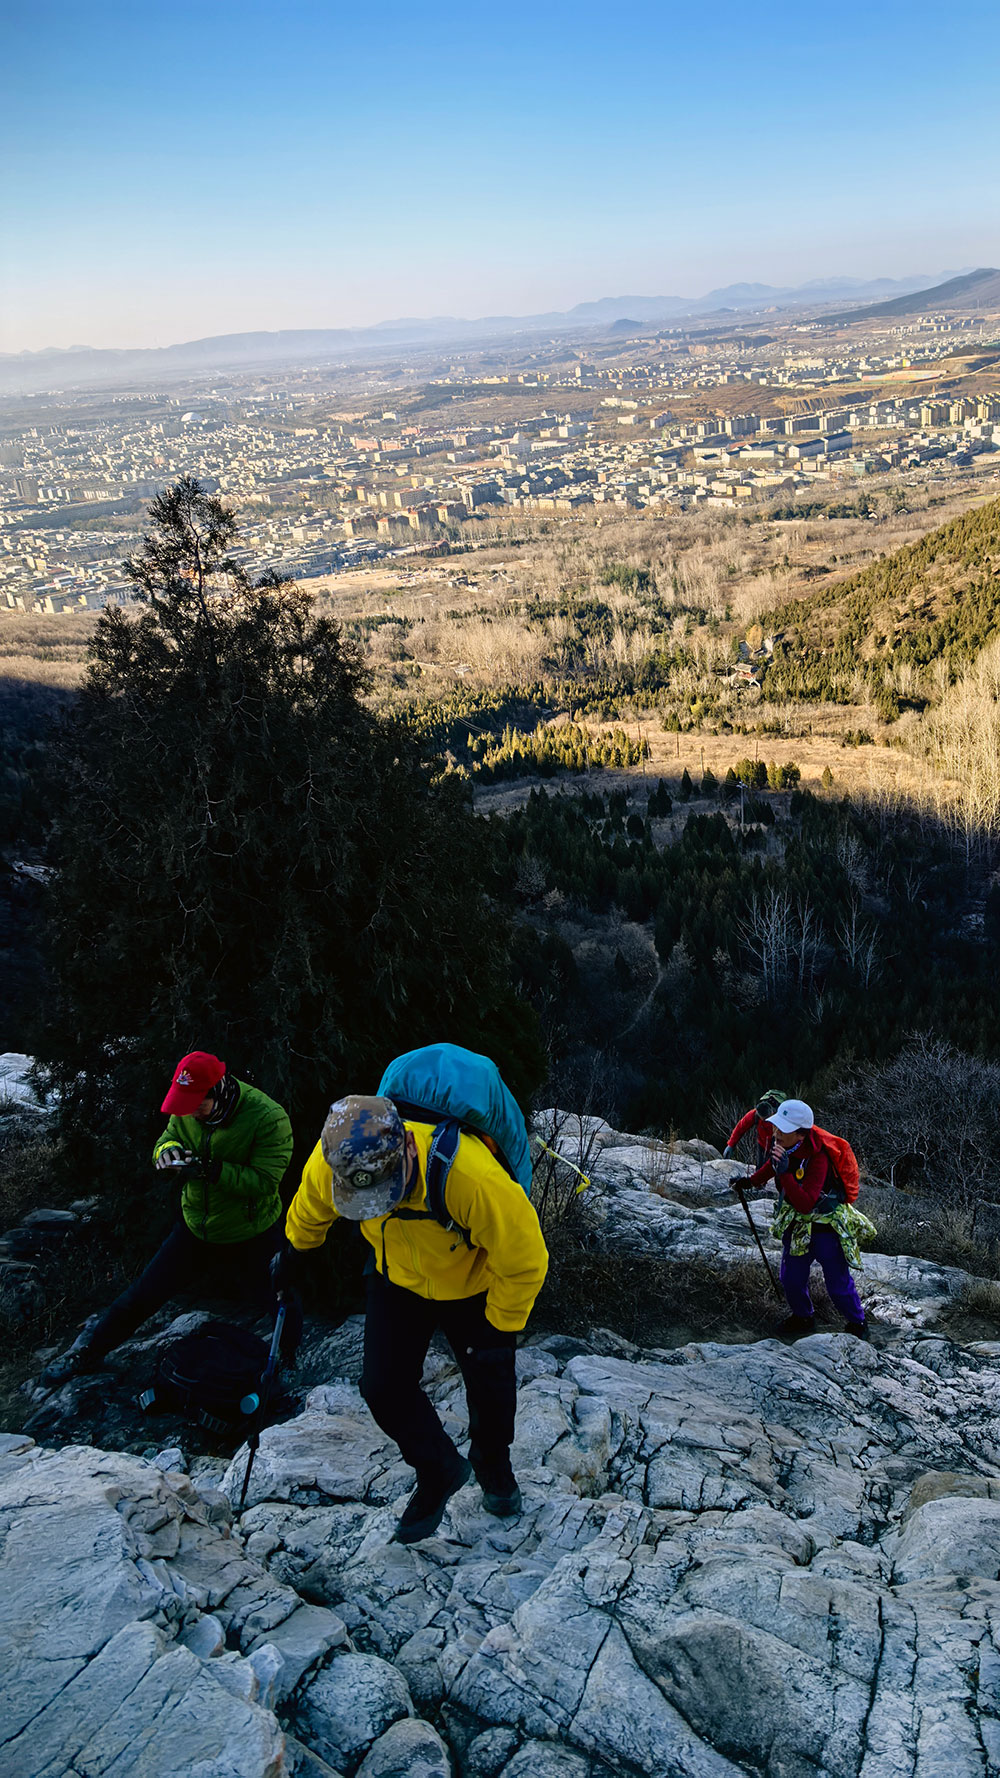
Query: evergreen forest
x=234, y=843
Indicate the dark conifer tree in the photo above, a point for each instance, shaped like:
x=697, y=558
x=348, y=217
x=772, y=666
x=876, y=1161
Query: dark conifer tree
x=249, y=859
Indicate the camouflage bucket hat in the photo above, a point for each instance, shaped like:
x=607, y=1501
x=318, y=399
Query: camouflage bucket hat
x=769, y=1101
x=364, y=1145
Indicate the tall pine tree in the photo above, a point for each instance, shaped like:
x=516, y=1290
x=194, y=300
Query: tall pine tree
x=250, y=860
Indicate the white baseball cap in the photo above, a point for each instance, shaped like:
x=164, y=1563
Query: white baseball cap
x=792, y=1114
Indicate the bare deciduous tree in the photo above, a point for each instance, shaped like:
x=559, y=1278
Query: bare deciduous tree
x=767, y=933
x=859, y=944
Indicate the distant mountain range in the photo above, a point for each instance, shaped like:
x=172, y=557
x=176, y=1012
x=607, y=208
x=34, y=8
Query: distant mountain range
x=971, y=290
x=78, y=367
x=743, y=296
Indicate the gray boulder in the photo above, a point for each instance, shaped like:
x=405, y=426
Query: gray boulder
x=349, y=1705
x=409, y=1749
x=545, y=1759
x=97, y=1667
x=488, y=1753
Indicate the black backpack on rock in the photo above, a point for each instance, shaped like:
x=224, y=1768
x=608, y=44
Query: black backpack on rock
x=214, y=1376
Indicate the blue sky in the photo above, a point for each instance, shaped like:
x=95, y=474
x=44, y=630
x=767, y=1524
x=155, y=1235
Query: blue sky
x=169, y=173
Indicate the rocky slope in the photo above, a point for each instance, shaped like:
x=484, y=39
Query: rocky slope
x=758, y=1559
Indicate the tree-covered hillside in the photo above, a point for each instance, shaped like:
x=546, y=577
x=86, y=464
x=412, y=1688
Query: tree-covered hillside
x=700, y=963
x=927, y=609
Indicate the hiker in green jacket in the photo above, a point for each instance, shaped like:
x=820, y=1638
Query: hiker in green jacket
x=227, y=1145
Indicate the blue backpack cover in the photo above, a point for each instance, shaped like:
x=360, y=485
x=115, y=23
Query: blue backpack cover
x=454, y=1089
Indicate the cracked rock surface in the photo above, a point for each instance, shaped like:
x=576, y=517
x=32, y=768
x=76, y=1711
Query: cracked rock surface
x=755, y=1559
x=775, y=1561
x=732, y=1560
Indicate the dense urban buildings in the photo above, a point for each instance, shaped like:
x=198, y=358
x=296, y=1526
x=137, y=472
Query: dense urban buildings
x=341, y=463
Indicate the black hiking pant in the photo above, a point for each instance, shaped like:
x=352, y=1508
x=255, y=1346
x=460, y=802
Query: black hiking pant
x=186, y=1266
x=398, y=1329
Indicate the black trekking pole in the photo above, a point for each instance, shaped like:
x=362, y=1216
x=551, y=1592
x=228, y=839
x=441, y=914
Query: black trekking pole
x=270, y=1372
x=737, y=1187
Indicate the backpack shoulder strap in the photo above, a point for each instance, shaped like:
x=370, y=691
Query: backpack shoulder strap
x=440, y=1159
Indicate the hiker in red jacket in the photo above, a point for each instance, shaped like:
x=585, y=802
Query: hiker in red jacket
x=756, y=1119
x=814, y=1219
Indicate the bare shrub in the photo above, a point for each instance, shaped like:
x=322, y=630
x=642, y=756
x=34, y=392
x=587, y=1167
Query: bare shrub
x=931, y=1100
x=981, y=1296
x=919, y=1223
x=965, y=736
x=498, y=650
x=727, y=1109
x=557, y=1182
x=661, y=1166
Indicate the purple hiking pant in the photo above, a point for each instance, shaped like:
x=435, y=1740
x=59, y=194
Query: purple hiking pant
x=824, y=1247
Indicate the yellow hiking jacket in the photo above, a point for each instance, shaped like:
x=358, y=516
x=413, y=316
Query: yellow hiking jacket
x=508, y=1258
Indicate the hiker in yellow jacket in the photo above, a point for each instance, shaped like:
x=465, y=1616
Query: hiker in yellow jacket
x=476, y=1281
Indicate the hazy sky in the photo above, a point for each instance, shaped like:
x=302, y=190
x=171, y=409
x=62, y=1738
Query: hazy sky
x=176, y=171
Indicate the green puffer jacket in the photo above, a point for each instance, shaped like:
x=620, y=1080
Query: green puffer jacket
x=249, y=1153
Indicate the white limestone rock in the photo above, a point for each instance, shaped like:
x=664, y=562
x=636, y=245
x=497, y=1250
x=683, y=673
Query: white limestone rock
x=349, y=1705
x=205, y=1637
x=170, y=1459
x=949, y=1537
x=338, y=1455
x=301, y=1642
x=488, y=1753
x=704, y=1567
x=143, y=1708
x=762, y=1558
x=304, y=1763
x=409, y=1749
x=108, y=1659
x=17, y=1094
x=546, y=1759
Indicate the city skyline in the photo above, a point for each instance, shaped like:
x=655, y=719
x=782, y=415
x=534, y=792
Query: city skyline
x=172, y=177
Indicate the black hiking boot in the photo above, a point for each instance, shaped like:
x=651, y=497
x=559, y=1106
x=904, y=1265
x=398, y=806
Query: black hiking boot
x=425, y=1508
x=858, y=1328
x=79, y=1361
x=501, y=1494
x=795, y=1327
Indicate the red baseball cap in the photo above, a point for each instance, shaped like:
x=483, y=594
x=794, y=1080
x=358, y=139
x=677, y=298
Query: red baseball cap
x=194, y=1077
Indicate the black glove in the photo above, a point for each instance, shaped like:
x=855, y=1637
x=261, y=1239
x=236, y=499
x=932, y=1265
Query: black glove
x=737, y=1182
x=172, y=1157
x=286, y=1269
x=182, y=1171
x=181, y=1164
x=727, y=1152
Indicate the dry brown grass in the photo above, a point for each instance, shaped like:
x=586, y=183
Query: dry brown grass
x=975, y=1313
x=654, y=1302
x=45, y=638
x=926, y=1227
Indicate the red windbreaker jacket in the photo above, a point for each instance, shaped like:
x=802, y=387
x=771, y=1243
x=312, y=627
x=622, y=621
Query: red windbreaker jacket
x=764, y=1130
x=806, y=1177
